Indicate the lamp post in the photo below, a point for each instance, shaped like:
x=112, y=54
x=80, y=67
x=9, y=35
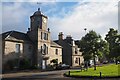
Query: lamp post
x=85, y=29
x=94, y=58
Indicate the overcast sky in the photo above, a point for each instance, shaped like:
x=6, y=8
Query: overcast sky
x=68, y=17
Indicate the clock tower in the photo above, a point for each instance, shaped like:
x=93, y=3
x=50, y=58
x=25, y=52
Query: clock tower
x=38, y=20
x=40, y=35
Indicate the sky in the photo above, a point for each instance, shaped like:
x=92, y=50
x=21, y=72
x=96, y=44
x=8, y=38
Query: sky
x=71, y=17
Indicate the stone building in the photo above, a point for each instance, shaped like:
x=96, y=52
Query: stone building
x=71, y=54
x=37, y=48
x=35, y=45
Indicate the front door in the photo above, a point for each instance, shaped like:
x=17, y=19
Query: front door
x=79, y=61
x=43, y=64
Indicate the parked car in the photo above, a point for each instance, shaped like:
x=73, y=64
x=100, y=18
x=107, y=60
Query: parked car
x=63, y=66
x=118, y=62
x=105, y=62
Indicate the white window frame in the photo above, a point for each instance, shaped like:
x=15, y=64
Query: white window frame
x=17, y=48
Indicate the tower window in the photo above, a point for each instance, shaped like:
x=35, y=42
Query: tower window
x=47, y=50
x=44, y=49
x=41, y=35
x=45, y=36
x=41, y=49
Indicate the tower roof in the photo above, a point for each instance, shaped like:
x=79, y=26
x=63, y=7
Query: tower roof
x=37, y=12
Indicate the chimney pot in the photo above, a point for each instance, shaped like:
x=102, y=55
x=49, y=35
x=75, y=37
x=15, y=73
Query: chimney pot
x=60, y=36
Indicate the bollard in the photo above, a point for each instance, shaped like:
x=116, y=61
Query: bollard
x=100, y=74
x=69, y=73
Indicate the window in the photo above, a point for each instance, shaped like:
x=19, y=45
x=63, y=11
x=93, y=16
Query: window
x=38, y=22
x=45, y=36
x=41, y=49
x=76, y=61
x=17, y=48
x=41, y=35
x=57, y=61
x=47, y=50
x=56, y=51
x=44, y=49
x=30, y=48
x=75, y=50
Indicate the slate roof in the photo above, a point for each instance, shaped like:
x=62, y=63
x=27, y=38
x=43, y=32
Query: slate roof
x=53, y=44
x=65, y=42
x=17, y=35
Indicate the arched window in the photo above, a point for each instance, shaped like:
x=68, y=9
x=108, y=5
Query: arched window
x=44, y=49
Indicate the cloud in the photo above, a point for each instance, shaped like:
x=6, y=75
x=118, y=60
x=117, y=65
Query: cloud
x=13, y=17
x=28, y=0
x=98, y=16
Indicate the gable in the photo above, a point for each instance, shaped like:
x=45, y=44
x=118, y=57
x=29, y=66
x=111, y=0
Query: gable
x=15, y=36
x=10, y=38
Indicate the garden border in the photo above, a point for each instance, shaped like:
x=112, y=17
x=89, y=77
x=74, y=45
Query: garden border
x=93, y=77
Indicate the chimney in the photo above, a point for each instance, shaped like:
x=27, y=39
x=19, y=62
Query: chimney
x=60, y=36
x=69, y=37
x=28, y=29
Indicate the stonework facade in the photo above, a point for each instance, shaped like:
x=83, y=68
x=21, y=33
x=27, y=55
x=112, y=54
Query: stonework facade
x=71, y=54
x=37, y=47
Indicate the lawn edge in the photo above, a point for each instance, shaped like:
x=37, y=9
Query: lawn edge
x=98, y=77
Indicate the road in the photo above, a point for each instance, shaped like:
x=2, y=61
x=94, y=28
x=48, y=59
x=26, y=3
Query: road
x=49, y=75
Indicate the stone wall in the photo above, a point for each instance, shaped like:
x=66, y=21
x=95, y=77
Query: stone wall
x=53, y=54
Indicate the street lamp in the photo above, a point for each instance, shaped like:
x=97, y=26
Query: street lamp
x=85, y=29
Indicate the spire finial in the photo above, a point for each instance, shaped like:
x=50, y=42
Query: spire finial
x=38, y=9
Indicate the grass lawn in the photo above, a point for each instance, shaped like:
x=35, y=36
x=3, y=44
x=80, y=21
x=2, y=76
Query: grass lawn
x=106, y=70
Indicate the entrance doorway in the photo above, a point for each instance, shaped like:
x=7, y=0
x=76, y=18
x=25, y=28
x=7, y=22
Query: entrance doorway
x=43, y=64
x=79, y=61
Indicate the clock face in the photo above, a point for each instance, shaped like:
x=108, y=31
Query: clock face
x=44, y=20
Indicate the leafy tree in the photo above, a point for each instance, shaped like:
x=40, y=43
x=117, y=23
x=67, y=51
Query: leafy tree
x=113, y=38
x=91, y=45
x=55, y=63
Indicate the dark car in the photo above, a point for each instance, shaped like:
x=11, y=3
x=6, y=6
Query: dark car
x=105, y=62
x=63, y=66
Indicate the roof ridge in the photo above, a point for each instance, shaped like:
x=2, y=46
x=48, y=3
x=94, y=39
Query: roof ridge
x=9, y=33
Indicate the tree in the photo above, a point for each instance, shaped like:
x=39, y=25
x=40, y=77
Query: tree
x=113, y=38
x=55, y=63
x=91, y=45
